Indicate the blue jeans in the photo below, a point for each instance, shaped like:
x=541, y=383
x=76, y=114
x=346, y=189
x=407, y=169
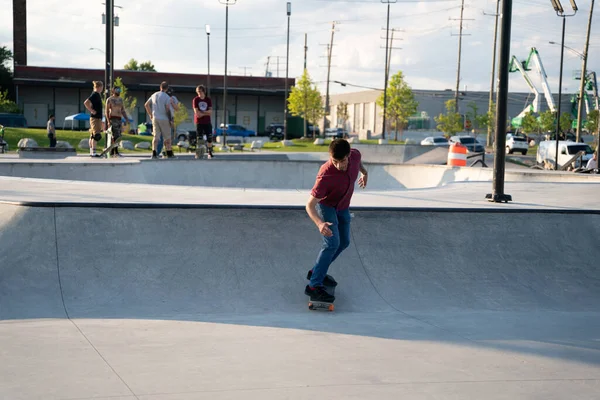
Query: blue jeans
x=332, y=246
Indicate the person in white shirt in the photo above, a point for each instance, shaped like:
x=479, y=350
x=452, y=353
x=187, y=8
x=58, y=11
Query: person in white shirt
x=158, y=106
x=593, y=162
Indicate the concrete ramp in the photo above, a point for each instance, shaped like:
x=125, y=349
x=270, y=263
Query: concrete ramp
x=185, y=264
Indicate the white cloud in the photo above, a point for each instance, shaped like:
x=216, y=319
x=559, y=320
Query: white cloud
x=171, y=34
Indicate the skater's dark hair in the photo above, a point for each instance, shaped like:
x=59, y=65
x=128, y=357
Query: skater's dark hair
x=201, y=88
x=339, y=148
x=164, y=86
x=51, y=116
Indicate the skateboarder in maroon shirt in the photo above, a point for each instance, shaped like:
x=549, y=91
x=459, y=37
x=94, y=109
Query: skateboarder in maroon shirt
x=328, y=207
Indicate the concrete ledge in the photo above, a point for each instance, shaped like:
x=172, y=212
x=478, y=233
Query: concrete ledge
x=46, y=152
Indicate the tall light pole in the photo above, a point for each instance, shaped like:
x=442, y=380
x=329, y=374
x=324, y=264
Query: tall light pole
x=498, y=195
x=387, y=43
x=287, y=69
x=111, y=21
x=584, y=73
x=561, y=13
x=208, y=60
x=227, y=4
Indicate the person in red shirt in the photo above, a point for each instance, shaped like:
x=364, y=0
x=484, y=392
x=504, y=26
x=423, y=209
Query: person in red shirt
x=328, y=207
x=202, y=106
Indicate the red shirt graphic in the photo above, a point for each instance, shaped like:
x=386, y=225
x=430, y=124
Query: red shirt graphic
x=204, y=104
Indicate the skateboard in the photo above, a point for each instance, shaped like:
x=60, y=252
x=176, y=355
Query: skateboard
x=322, y=305
x=314, y=305
x=201, y=149
x=110, y=144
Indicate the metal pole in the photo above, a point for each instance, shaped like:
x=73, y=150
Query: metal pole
x=208, y=58
x=107, y=66
x=224, y=146
x=112, y=45
x=305, y=48
x=387, y=31
x=562, y=54
x=462, y=9
x=498, y=194
x=491, y=101
x=287, y=69
x=584, y=73
x=329, y=51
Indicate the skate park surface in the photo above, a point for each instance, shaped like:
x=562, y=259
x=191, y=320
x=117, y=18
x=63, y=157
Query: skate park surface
x=124, y=286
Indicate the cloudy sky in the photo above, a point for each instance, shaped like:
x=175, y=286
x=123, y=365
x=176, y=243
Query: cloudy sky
x=171, y=33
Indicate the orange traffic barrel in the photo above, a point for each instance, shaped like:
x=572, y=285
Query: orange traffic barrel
x=457, y=155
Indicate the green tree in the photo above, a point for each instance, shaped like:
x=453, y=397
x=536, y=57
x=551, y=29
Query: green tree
x=530, y=123
x=7, y=105
x=305, y=100
x=6, y=75
x=181, y=115
x=128, y=102
x=342, y=113
x=566, y=122
x=133, y=65
x=450, y=123
x=401, y=103
x=547, y=121
x=593, y=120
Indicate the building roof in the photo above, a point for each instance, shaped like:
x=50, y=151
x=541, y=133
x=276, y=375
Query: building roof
x=149, y=81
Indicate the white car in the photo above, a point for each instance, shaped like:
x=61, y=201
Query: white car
x=435, y=141
x=516, y=143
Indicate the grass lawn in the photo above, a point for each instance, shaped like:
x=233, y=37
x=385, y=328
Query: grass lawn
x=13, y=135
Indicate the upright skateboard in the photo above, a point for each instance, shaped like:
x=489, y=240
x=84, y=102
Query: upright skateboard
x=110, y=145
x=201, y=149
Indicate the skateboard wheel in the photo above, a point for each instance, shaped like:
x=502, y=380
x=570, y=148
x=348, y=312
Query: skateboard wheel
x=330, y=307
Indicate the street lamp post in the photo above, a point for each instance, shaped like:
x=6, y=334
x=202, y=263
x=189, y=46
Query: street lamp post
x=227, y=4
x=561, y=13
x=287, y=68
x=498, y=195
x=208, y=60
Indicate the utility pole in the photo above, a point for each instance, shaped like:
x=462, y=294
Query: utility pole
x=584, y=73
x=305, y=49
x=460, y=35
x=329, y=51
x=491, y=100
x=391, y=46
x=109, y=47
x=387, y=43
x=245, y=69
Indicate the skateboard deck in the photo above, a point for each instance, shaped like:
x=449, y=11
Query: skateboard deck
x=201, y=149
x=112, y=145
x=323, y=305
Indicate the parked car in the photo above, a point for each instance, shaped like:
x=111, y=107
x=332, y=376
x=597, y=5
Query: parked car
x=235, y=130
x=335, y=133
x=516, y=143
x=310, y=129
x=435, y=141
x=275, y=131
x=469, y=142
x=546, y=153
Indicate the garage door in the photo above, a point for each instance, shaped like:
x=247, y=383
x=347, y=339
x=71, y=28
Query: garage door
x=36, y=115
x=247, y=119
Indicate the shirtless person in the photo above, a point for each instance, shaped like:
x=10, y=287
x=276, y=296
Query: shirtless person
x=115, y=111
x=94, y=105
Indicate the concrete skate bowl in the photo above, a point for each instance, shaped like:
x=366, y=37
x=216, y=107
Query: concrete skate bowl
x=209, y=304
x=266, y=174
x=187, y=264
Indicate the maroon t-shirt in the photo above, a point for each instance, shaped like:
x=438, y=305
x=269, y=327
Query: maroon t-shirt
x=204, y=105
x=336, y=187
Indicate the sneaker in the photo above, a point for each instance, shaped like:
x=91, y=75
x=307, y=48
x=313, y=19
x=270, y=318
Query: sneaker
x=154, y=155
x=318, y=294
x=328, y=281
